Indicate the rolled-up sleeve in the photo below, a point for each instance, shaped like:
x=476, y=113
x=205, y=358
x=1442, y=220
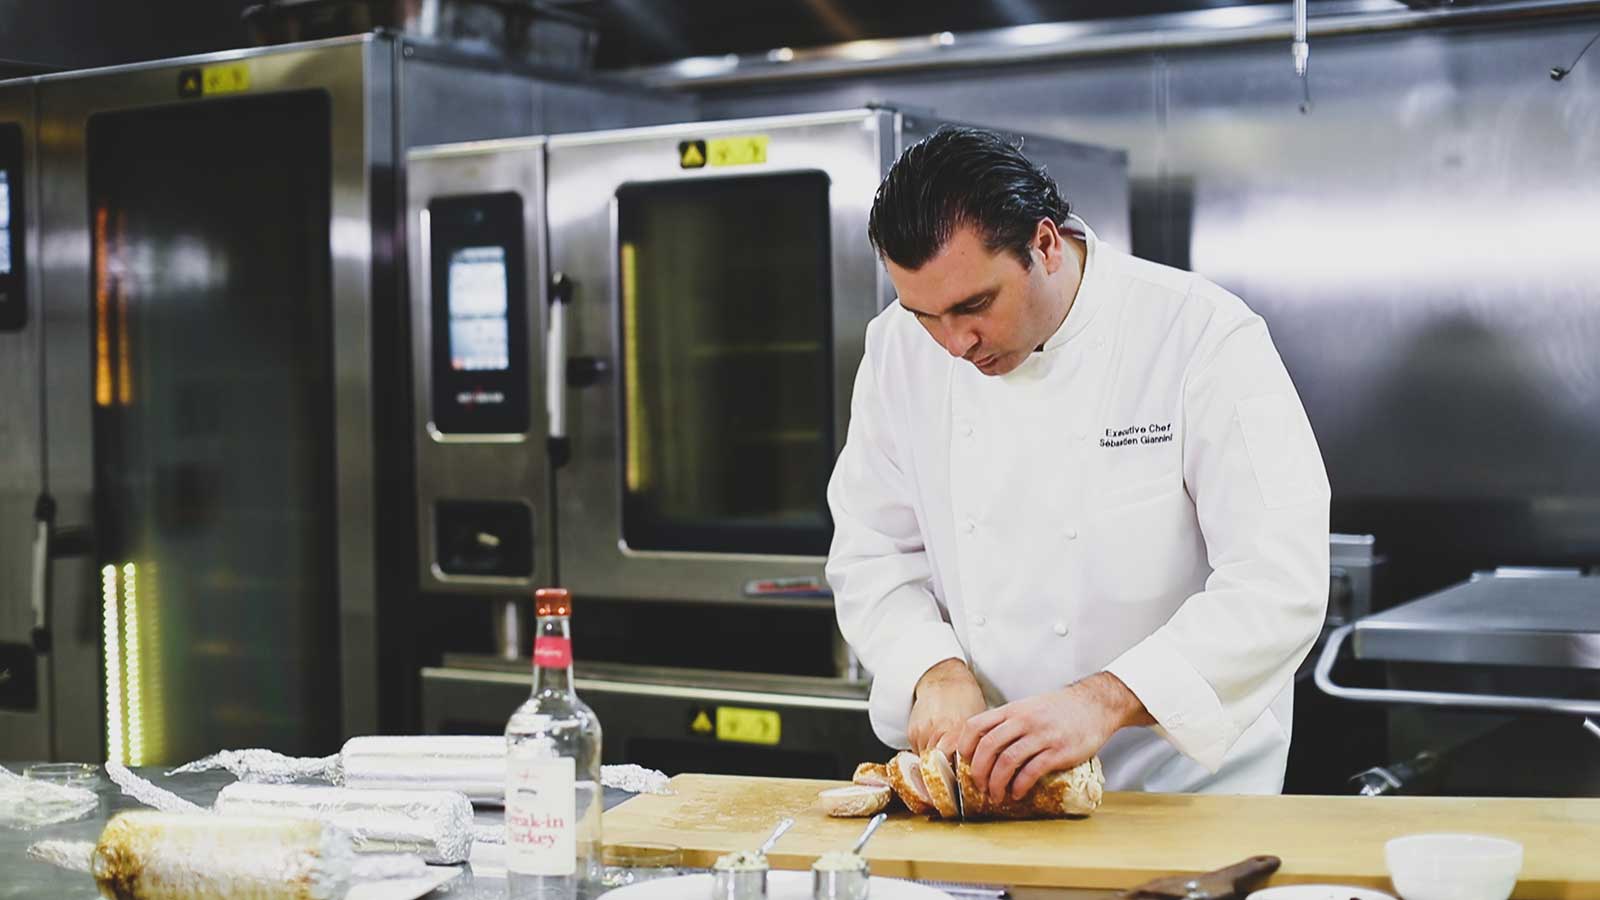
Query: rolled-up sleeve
x=878, y=564
x=1261, y=496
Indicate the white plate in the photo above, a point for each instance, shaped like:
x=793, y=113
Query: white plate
x=781, y=885
x=1318, y=892
x=404, y=888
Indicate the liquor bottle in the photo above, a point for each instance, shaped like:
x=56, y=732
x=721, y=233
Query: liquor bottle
x=553, y=793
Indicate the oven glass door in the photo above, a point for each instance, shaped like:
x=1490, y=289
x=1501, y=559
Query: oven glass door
x=727, y=358
x=213, y=425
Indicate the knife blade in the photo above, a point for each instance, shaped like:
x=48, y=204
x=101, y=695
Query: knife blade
x=1228, y=882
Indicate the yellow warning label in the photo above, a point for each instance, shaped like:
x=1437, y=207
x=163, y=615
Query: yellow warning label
x=701, y=724
x=746, y=150
x=748, y=726
x=691, y=154
x=226, y=79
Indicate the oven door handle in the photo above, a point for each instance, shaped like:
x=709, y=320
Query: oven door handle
x=44, y=516
x=1450, y=699
x=555, y=373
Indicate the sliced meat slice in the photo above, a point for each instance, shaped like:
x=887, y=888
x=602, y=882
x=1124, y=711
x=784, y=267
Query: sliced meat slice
x=855, y=801
x=940, y=781
x=1068, y=793
x=905, y=776
x=972, y=802
x=872, y=775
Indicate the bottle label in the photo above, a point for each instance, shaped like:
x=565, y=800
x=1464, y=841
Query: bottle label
x=541, y=815
x=552, y=652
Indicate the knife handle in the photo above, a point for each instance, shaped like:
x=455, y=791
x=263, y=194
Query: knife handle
x=1246, y=874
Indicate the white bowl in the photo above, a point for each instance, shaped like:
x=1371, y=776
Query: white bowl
x=1317, y=892
x=1453, y=866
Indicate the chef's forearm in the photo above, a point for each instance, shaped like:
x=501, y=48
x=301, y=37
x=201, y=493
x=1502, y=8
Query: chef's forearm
x=951, y=671
x=1122, y=704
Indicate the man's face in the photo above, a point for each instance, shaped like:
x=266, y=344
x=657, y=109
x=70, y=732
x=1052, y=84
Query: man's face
x=985, y=307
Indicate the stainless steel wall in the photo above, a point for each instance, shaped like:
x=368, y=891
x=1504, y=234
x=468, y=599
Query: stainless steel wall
x=1422, y=245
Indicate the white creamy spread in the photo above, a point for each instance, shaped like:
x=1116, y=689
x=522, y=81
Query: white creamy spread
x=839, y=861
x=743, y=861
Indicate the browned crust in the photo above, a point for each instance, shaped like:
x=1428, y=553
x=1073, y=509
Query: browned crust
x=903, y=788
x=941, y=782
x=872, y=774
x=1069, y=793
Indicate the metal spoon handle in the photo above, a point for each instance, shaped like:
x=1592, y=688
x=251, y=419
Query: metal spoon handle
x=867, y=835
x=783, y=826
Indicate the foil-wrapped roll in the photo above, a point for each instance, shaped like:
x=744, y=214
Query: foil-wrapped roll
x=174, y=856
x=437, y=825
x=474, y=765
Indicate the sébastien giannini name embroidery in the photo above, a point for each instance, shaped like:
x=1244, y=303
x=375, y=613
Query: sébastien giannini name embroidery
x=1134, y=435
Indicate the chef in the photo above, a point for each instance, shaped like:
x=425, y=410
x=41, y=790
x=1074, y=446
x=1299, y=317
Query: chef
x=1080, y=509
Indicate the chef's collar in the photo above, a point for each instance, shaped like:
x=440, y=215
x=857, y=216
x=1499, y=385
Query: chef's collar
x=1088, y=299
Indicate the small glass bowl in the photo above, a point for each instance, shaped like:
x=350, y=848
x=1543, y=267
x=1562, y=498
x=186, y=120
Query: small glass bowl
x=68, y=773
x=627, y=864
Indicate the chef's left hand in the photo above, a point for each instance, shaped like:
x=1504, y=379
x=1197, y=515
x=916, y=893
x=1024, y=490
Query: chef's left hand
x=1014, y=745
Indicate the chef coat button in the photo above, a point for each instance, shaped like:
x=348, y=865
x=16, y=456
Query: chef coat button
x=1072, y=534
x=966, y=430
x=1082, y=434
x=1060, y=628
x=1099, y=342
x=978, y=621
x=969, y=526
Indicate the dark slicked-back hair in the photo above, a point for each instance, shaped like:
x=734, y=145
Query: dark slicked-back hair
x=955, y=177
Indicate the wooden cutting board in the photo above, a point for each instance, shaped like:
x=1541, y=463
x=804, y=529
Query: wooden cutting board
x=1132, y=838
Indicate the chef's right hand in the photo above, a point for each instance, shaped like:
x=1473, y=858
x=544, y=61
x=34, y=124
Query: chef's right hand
x=947, y=696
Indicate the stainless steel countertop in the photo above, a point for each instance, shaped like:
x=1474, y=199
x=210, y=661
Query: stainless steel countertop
x=1495, y=620
x=25, y=878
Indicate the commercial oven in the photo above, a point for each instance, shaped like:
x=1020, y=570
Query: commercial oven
x=675, y=350
x=206, y=513
x=478, y=312
x=720, y=283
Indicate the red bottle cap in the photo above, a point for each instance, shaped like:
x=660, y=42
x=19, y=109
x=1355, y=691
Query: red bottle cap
x=552, y=602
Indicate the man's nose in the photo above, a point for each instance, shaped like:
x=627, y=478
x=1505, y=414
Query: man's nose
x=958, y=341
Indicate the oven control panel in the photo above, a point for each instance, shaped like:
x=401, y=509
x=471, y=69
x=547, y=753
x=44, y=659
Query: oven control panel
x=479, y=303
x=13, y=300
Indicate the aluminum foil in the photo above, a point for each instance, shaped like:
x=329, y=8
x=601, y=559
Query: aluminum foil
x=28, y=803
x=635, y=779
x=71, y=855
x=147, y=793
x=384, y=866
x=437, y=825
x=264, y=766
x=472, y=764
x=156, y=854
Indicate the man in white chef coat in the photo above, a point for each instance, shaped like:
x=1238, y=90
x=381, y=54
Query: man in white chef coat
x=1080, y=509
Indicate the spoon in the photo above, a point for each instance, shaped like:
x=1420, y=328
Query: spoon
x=778, y=832
x=867, y=835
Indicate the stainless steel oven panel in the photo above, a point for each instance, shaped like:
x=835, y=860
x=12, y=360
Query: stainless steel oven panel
x=502, y=467
x=349, y=72
x=853, y=149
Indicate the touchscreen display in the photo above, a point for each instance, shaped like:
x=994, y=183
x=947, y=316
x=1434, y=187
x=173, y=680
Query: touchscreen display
x=477, y=302
x=5, y=222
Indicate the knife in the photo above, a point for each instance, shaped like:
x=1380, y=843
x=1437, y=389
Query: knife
x=1234, y=881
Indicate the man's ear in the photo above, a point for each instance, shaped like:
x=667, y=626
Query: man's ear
x=1051, y=244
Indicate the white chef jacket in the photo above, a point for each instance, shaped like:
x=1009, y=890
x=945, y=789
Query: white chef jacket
x=1143, y=496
